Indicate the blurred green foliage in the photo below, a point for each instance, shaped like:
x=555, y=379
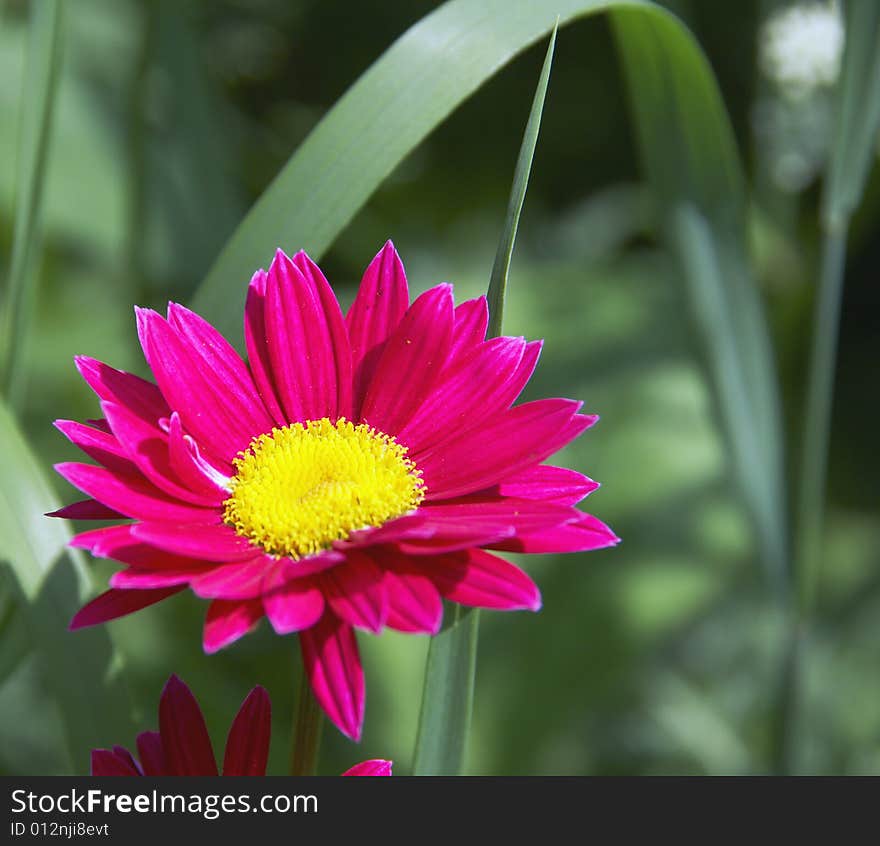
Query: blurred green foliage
x=660, y=656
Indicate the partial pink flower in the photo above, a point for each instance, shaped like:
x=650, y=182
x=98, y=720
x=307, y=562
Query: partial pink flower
x=352, y=473
x=182, y=746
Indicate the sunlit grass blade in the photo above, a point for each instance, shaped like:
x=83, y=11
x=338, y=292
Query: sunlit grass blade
x=79, y=669
x=448, y=692
x=853, y=148
x=37, y=106
x=691, y=161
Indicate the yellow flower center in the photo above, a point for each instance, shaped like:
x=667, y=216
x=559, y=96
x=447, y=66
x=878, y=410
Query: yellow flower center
x=299, y=488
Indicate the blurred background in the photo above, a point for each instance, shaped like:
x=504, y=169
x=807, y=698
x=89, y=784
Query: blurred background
x=663, y=655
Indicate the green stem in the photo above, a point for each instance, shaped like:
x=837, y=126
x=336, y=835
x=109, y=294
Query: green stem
x=811, y=499
x=306, y=736
x=817, y=417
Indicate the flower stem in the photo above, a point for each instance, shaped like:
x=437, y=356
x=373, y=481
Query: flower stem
x=820, y=394
x=306, y=735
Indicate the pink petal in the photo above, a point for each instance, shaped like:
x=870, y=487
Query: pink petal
x=477, y=578
x=518, y=438
x=147, y=446
x=131, y=495
x=220, y=358
x=478, y=386
x=338, y=334
x=138, y=395
x=86, y=509
x=194, y=471
x=257, y=344
x=374, y=767
x=117, y=603
x=210, y=542
x=247, y=745
x=149, y=744
x=238, y=580
x=107, y=763
x=97, y=444
x=414, y=604
x=291, y=606
x=227, y=621
x=185, y=739
x=547, y=483
x=288, y=570
x=331, y=659
x=471, y=322
x=356, y=592
x=307, y=343
x=135, y=579
x=118, y=543
x=221, y=415
x=411, y=361
x=585, y=533
x=381, y=302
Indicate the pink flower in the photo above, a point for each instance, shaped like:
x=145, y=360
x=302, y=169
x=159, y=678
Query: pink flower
x=351, y=474
x=182, y=747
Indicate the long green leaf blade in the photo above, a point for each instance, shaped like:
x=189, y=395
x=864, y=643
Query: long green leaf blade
x=448, y=692
x=38, y=102
x=80, y=669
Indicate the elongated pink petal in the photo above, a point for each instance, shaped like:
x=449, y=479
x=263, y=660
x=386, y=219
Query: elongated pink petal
x=147, y=446
x=135, y=579
x=288, y=571
x=471, y=322
x=291, y=606
x=149, y=745
x=414, y=603
x=257, y=345
x=356, y=592
x=117, y=542
x=118, y=603
x=107, y=763
x=130, y=495
x=475, y=388
x=331, y=659
x=138, y=395
x=382, y=300
x=547, y=483
x=197, y=474
x=228, y=620
x=185, y=739
x=523, y=436
x=97, y=444
x=86, y=509
x=238, y=580
x=411, y=362
x=482, y=580
x=247, y=745
x=338, y=346
x=455, y=518
x=220, y=359
x=211, y=542
x=374, y=767
x=581, y=535
x=220, y=417
x=307, y=345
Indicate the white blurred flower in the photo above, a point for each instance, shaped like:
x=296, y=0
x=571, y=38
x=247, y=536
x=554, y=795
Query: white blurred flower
x=801, y=47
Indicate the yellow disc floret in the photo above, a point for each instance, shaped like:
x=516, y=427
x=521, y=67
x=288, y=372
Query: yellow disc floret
x=299, y=488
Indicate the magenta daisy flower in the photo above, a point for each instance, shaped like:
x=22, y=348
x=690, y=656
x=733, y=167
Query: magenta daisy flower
x=350, y=474
x=182, y=746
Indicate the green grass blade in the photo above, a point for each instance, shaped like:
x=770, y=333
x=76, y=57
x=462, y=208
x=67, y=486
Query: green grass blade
x=501, y=267
x=38, y=102
x=858, y=113
x=691, y=161
x=448, y=692
x=79, y=669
